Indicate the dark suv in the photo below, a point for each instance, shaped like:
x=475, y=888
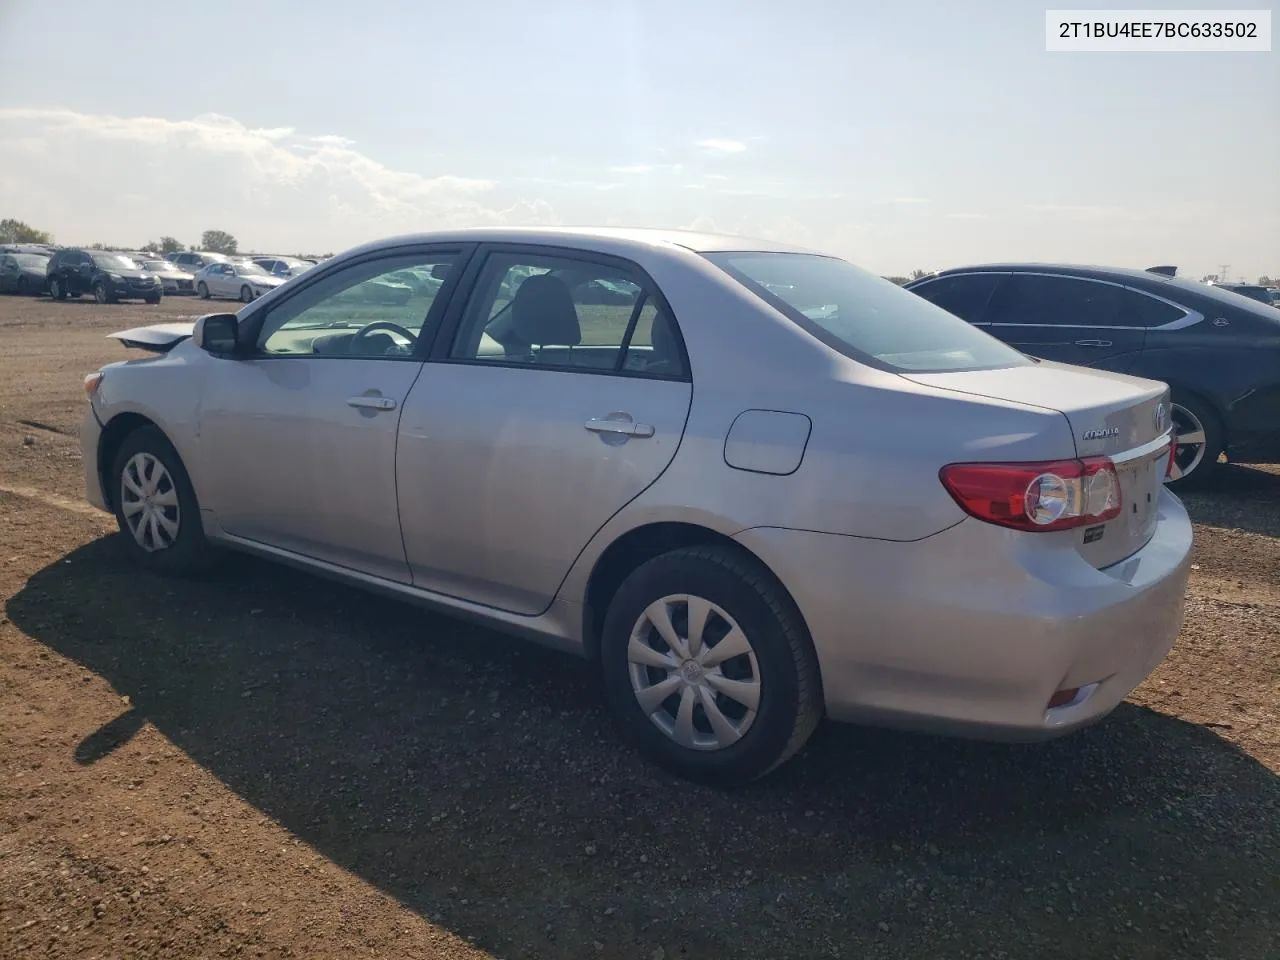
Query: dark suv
x=108, y=276
x=1217, y=350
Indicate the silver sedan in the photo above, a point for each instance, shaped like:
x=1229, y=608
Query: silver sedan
x=755, y=485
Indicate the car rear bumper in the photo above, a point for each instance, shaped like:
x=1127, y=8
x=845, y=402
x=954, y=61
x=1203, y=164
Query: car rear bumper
x=971, y=631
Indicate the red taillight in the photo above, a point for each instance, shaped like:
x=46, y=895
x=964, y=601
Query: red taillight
x=1043, y=496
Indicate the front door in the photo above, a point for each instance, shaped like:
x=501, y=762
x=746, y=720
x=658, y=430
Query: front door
x=298, y=442
x=1068, y=319
x=561, y=397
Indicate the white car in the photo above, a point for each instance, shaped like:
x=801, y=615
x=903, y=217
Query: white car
x=284, y=267
x=236, y=281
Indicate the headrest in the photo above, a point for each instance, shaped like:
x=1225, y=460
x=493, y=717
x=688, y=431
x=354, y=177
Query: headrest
x=542, y=312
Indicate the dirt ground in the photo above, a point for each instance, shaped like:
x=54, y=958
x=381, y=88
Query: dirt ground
x=268, y=765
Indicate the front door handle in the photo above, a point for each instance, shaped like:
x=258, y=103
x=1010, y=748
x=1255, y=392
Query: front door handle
x=621, y=428
x=1093, y=343
x=372, y=403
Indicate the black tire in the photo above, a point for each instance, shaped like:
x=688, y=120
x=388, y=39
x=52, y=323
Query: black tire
x=246, y=294
x=202, y=290
x=790, y=698
x=187, y=553
x=102, y=293
x=56, y=289
x=21, y=287
x=153, y=299
x=1200, y=411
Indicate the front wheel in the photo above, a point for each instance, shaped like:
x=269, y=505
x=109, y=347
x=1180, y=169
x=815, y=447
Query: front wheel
x=153, y=299
x=202, y=290
x=246, y=295
x=156, y=507
x=101, y=293
x=707, y=666
x=56, y=289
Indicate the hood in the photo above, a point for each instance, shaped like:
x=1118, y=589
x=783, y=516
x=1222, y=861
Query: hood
x=157, y=338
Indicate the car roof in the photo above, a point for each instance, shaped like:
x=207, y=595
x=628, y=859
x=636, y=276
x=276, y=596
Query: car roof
x=601, y=239
x=1064, y=269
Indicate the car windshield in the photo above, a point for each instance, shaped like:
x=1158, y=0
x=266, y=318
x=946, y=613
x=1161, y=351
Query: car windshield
x=864, y=316
x=114, y=261
x=30, y=260
x=250, y=270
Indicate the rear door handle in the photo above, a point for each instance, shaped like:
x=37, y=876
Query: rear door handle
x=372, y=403
x=622, y=428
x=1093, y=343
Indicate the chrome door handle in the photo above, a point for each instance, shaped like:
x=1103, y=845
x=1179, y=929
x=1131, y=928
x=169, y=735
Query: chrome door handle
x=372, y=403
x=1093, y=343
x=623, y=428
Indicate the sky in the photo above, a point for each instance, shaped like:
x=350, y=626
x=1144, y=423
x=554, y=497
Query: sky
x=906, y=135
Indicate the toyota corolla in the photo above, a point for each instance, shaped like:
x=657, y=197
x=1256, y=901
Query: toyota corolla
x=755, y=485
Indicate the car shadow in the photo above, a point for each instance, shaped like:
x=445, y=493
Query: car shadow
x=1238, y=497
x=477, y=780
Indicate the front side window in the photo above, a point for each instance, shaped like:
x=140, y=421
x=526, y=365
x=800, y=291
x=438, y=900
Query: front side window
x=864, y=316
x=966, y=294
x=1061, y=302
x=366, y=310
x=531, y=310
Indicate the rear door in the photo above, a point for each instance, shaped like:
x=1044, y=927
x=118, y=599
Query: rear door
x=1088, y=322
x=559, y=396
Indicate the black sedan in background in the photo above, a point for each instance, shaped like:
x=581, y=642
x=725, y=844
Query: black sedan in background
x=23, y=273
x=1217, y=350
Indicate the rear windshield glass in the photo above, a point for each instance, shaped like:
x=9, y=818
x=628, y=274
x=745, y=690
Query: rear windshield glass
x=865, y=316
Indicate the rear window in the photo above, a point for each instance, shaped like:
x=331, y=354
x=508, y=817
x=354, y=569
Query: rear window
x=865, y=316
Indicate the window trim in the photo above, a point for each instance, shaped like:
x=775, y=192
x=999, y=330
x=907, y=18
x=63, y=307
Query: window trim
x=1000, y=275
x=1189, y=316
x=451, y=326
x=250, y=328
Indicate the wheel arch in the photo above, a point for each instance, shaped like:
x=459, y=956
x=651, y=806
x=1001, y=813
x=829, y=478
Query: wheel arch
x=113, y=436
x=637, y=546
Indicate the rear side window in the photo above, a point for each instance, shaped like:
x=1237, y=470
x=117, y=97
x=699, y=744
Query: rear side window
x=966, y=295
x=1150, y=312
x=1060, y=302
x=864, y=316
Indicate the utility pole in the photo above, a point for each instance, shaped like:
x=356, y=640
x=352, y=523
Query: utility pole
x=1222, y=273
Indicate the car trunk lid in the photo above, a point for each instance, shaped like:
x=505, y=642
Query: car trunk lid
x=1121, y=417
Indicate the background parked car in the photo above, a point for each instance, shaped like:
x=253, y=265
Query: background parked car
x=23, y=273
x=1219, y=351
x=285, y=267
x=1251, y=290
x=237, y=281
x=174, y=279
x=108, y=276
x=193, y=260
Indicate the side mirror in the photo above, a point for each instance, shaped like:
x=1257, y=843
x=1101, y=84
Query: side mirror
x=216, y=333
x=440, y=270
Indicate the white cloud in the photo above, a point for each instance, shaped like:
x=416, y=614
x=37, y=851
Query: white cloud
x=636, y=168
x=904, y=200
x=968, y=216
x=272, y=187
x=1078, y=212
x=715, y=176
x=716, y=145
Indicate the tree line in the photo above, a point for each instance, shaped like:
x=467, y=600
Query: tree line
x=214, y=241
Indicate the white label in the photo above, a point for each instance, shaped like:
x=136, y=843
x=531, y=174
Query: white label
x=1158, y=31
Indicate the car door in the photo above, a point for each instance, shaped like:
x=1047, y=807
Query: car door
x=538, y=417
x=1069, y=319
x=226, y=280
x=297, y=442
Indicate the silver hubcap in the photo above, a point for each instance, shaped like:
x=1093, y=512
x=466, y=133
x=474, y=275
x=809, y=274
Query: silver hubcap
x=149, y=502
x=1190, y=438
x=694, y=672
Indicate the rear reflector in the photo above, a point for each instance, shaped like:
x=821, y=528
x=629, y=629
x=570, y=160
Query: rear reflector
x=1040, y=496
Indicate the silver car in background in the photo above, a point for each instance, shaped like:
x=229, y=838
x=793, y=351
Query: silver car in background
x=755, y=485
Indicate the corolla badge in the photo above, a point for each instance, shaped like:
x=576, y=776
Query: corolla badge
x=1161, y=417
x=1101, y=433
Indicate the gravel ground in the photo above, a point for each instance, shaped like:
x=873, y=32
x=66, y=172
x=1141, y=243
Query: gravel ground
x=269, y=765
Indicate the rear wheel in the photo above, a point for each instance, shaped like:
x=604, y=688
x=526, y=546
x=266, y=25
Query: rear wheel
x=707, y=666
x=153, y=299
x=203, y=290
x=156, y=507
x=1198, y=436
x=56, y=289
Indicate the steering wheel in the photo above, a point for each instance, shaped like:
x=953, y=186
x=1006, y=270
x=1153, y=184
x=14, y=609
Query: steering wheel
x=384, y=325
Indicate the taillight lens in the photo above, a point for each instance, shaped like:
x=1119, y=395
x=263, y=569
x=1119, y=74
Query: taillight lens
x=1041, y=496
